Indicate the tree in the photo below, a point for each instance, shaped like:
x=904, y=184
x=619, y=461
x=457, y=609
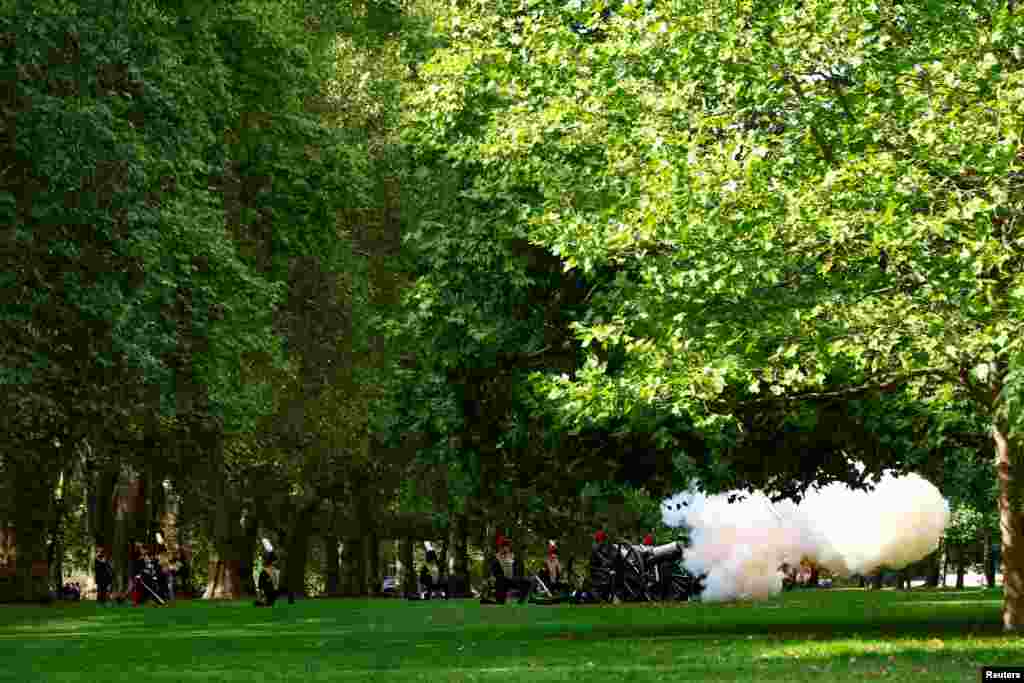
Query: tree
x=122, y=290
x=213, y=296
x=803, y=202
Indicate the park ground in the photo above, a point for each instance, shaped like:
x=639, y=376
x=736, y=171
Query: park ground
x=805, y=635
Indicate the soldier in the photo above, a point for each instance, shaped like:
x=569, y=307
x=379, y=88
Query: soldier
x=104, y=575
x=268, y=584
x=553, y=564
x=508, y=578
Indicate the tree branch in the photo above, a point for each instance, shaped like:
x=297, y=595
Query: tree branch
x=889, y=384
x=826, y=148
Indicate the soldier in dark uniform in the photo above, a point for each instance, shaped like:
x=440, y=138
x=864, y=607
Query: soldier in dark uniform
x=104, y=576
x=268, y=583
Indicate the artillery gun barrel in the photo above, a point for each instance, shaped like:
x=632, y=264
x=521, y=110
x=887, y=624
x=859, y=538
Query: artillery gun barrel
x=669, y=552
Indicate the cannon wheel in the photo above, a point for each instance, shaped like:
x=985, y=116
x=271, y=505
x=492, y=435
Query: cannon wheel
x=633, y=583
x=680, y=584
x=602, y=580
x=604, y=574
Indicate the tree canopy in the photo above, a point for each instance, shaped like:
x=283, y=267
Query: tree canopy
x=465, y=265
x=793, y=203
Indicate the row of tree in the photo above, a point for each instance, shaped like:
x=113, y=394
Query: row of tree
x=193, y=212
x=419, y=268
x=202, y=299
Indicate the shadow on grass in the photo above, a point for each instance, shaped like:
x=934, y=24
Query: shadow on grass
x=799, y=630
x=801, y=615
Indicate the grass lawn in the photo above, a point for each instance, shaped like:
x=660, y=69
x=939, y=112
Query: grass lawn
x=828, y=635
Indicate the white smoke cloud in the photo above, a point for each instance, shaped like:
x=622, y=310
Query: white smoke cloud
x=741, y=545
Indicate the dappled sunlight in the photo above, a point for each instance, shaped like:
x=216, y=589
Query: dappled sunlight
x=65, y=625
x=958, y=603
x=850, y=650
x=792, y=637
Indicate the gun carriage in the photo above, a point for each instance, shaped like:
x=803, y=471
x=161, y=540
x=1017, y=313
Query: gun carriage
x=633, y=573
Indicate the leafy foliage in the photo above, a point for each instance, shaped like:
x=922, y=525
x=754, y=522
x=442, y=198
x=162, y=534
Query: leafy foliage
x=797, y=200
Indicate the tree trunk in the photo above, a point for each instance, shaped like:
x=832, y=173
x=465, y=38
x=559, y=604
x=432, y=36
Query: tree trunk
x=945, y=564
x=225, y=579
x=1011, y=527
x=408, y=571
x=55, y=551
x=934, y=569
x=442, y=560
x=332, y=570
x=960, y=568
x=225, y=568
x=246, y=555
x=101, y=507
x=373, y=578
x=988, y=558
x=353, y=560
x=33, y=508
x=518, y=549
x=459, y=580
x=120, y=553
x=297, y=553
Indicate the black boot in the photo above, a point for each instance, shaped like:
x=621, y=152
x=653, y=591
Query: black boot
x=527, y=593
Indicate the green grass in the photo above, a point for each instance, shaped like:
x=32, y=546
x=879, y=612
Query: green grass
x=804, y=635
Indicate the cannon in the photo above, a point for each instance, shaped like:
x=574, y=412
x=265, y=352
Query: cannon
x=665, y=577
x=659, y=554
x=633, y=573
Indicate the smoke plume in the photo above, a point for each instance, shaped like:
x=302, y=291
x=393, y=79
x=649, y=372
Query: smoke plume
x=740, y=546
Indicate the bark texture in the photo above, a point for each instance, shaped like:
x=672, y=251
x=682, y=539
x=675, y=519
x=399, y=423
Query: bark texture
x=1011, y=528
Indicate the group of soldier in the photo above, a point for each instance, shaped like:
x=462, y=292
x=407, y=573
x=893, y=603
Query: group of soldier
x=509, y=575
x=155, y=574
